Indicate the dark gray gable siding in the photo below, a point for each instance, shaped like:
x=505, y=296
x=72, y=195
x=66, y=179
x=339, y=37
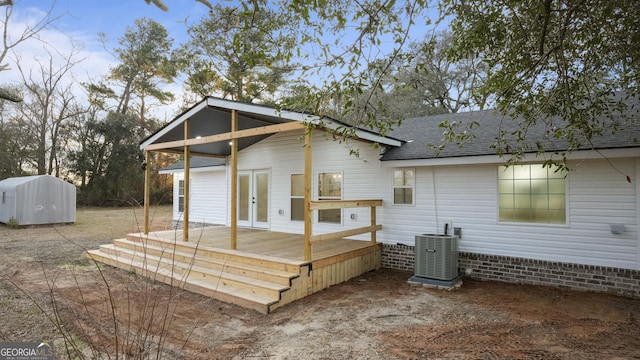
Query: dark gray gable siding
x=197, y=162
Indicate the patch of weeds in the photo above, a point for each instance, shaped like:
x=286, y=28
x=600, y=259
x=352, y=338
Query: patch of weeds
x=5, y=303
x=32, y=310
x=84, y=264
x=13, y=223
x=131, y=271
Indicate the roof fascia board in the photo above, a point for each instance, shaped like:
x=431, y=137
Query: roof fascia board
x=362, y=134
x=495, y=159
x=260, y=110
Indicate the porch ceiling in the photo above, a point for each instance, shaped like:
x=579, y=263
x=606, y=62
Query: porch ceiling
x=212, y=116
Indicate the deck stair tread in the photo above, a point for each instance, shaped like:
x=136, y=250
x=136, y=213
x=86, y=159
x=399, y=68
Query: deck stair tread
x=150, y=239
x=211, y=287
x=280, y=276
x=265, y=273
x=127, y=256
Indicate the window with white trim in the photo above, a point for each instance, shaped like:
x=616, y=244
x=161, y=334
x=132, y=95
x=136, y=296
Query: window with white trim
x=297, y=197
x=330, y=188
x=181, y=195
x=531, y=193
x=403, y=186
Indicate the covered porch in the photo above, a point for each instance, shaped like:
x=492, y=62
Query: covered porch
x=222, y=129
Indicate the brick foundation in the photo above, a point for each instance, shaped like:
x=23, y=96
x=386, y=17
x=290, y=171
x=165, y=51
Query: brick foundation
x=617, y=281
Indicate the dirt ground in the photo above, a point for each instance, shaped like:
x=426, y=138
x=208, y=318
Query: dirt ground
x=49, y=291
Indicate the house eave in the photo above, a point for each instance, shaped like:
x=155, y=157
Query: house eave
x=496, y=159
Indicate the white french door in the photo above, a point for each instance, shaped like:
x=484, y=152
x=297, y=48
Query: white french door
x=253, y=198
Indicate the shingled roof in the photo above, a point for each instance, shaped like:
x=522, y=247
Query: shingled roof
x=423, y=133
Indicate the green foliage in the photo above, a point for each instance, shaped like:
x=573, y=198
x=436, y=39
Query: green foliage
x=239, y=53
x=13, y=223
x=568, y=63
x=111, y=156
x=145, y=62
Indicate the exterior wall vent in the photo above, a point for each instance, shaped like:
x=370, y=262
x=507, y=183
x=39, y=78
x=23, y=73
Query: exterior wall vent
x=436, y=256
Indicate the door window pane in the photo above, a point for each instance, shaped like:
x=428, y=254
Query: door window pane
x=243, y=194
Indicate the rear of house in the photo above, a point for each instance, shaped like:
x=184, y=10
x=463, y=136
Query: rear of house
x=523, y=223
x=37, y=200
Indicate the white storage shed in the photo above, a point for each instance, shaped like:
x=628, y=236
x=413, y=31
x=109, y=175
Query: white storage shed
x=36, y=200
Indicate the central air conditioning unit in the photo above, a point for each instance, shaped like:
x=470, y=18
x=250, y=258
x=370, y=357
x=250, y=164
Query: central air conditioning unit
x=436, y=256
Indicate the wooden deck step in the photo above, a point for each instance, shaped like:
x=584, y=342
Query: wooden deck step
x=260, y=260
x=188, y=271
x=228, y=287
x=233, y=267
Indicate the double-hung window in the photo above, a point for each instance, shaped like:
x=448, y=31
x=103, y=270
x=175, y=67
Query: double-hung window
x=403, y=186
x=330, y=188
x=531, y=193
x=181, y=195
x=297, y=197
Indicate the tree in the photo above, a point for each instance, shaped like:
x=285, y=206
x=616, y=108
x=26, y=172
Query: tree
x=144, y=63
x=442, y=83
x=573, y=60
x=49, y=103
x=14, y=141
x=8, y=44
x=239, y=54
x=108, y=135
x=569, y=63
x=107, y=149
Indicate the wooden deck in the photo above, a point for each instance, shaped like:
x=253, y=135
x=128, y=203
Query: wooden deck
x=266, y=271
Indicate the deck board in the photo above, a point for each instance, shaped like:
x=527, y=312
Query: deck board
x=263, y=242
x=267, y=263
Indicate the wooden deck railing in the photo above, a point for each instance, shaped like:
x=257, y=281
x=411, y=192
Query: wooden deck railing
x=342, y=204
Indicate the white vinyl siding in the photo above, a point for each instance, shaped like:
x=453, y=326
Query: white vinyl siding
x=597, y=195
x=209, y=204
x=284, y=154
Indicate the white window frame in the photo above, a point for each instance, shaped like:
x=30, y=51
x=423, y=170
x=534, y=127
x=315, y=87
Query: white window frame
x=291, y=197
x=548, y=193
x=412, y=187
x=181, y=195
x=340, y=174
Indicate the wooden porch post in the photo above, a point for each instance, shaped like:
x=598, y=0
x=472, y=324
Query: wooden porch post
x=373, y=223
x=187, y=177
x=147, y=185
x=234, y=182
x=308, y=177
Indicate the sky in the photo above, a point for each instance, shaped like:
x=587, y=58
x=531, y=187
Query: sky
x=82, y=21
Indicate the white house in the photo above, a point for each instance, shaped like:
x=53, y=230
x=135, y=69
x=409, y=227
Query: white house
x=522, y=223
